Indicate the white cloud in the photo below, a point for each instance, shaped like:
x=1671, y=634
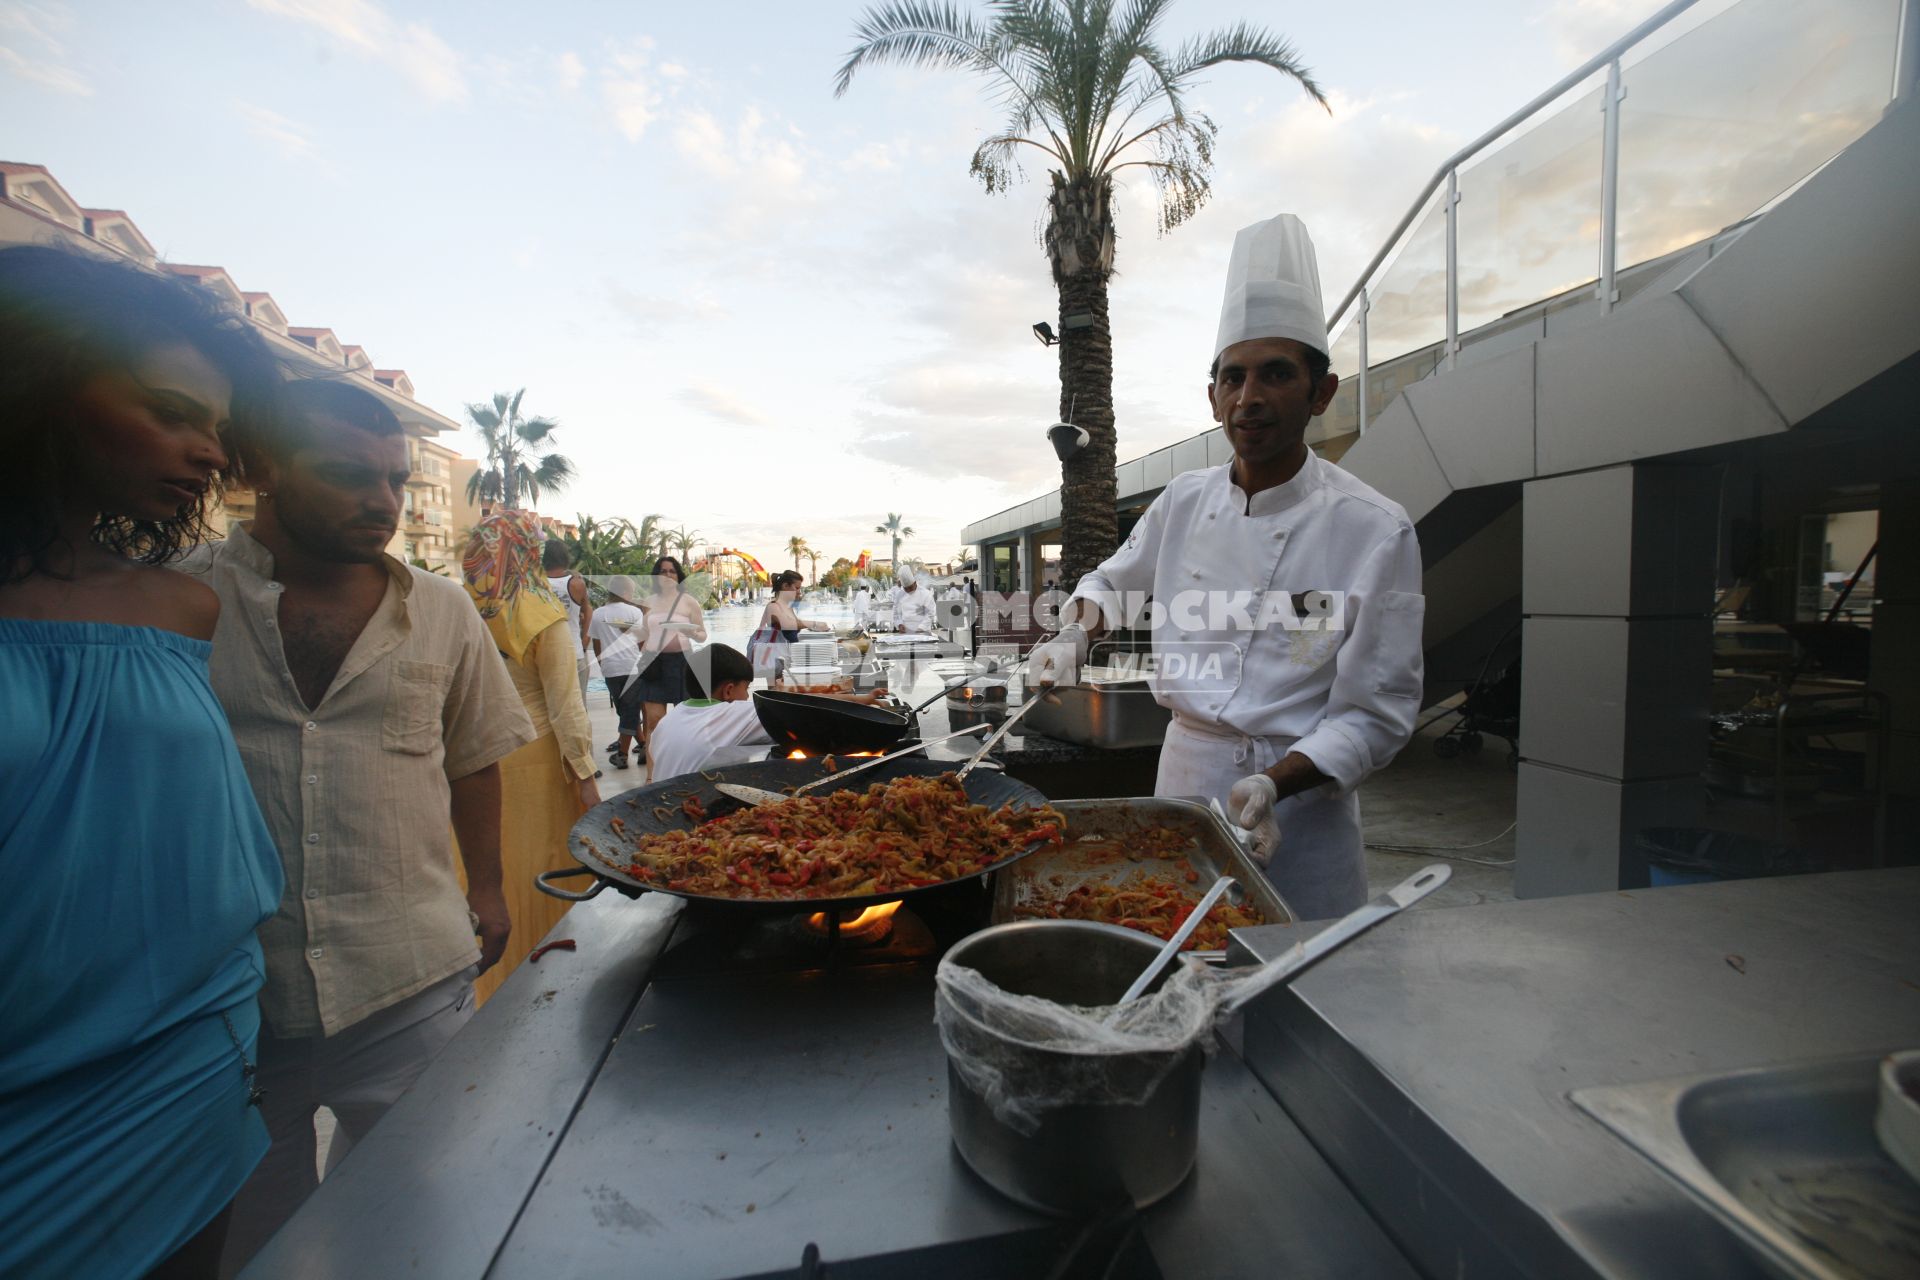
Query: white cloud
x=651, y=313
x=572, y=71
x=369, y=31
x=289, y=136
x=1582, y=28
x=628, y=89
x=720, y=405
x=875, y=157
x=25, y=25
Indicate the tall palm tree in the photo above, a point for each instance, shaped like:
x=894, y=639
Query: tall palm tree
x=518, y=460
x=896, y=529
x=796, y=547
x=813, y=564
x=1091, y=89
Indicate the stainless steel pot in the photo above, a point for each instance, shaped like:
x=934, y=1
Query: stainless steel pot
x=1082, y=1158
x=1113, y=716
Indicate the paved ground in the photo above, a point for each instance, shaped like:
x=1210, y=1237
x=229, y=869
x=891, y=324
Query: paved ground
x=1421, y=799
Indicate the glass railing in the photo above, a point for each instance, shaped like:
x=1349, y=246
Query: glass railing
x=1697, y=119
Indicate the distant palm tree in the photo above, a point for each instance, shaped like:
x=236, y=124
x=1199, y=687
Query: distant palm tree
x=1090, y=88
x=813, y=563
x=518, y=460
x=895, y=529
x=680, y=542
x=649, y=540
x=796, y=547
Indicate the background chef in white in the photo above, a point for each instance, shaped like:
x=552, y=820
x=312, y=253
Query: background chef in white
x=912, y=603
x=1304, y=715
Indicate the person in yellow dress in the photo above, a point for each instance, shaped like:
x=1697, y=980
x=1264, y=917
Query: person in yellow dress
x=547, y=784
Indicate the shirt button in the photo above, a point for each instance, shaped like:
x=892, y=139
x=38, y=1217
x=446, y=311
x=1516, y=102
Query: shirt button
x=313, y=837
x=315, y=953
x=1196, y=573
x=311, y=726
x=312, y=778
x=273, y=586
x=269, y=621
x=313, y=893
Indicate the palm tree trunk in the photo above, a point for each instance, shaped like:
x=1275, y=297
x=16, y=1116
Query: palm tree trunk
x=1080, y=240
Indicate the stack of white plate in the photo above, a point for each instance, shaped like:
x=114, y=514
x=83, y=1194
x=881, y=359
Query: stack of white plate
x=813, y=654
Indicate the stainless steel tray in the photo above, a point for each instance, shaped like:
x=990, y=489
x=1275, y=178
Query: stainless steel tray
x=1112, y=715
x=1783, y=1156
x=1211, y=850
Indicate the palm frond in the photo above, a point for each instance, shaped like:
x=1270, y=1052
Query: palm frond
x=1244, y=43
x=912, y=33
x=535, y=430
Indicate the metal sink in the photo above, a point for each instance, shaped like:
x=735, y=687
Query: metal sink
x=1783, y=1156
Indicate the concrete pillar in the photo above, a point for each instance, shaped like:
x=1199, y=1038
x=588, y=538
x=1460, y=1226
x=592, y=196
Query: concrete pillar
x=1895, y=669
x=1617, y=576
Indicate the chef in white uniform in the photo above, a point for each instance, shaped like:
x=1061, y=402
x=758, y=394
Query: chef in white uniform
x=1302, y=583
x=912, y=603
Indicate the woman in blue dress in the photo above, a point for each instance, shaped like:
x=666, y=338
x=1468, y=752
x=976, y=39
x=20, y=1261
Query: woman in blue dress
x=134, y=865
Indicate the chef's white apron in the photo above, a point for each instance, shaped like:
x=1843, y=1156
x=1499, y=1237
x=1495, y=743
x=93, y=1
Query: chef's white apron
x=1320, y=867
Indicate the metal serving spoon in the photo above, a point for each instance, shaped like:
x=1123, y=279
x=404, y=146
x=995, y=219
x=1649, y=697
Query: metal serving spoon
x=1173, y=945
x=1283, y=967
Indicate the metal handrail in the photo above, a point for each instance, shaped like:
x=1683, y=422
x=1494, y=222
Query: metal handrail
x=1453, y=162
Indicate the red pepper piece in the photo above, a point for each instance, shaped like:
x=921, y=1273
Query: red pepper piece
x=558, y=944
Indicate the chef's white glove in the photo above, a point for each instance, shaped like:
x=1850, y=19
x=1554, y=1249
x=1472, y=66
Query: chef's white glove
x=1251, y=804
x=1058, y=660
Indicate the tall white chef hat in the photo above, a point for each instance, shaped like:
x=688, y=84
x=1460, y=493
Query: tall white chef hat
x=1273, y=287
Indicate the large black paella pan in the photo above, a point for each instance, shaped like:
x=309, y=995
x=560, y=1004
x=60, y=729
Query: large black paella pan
x=678, y=803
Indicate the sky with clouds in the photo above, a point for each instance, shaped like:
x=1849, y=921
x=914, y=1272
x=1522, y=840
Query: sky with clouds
x=755, y=309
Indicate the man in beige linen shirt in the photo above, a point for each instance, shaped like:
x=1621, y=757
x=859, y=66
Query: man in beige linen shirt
x=370, y=707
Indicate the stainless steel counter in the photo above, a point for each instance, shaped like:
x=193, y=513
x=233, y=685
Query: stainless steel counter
x=592, y=1123
x=1432, y=1061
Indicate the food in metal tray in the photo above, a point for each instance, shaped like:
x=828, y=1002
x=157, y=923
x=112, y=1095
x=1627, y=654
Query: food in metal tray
x=893, y=836
x=1140, y=899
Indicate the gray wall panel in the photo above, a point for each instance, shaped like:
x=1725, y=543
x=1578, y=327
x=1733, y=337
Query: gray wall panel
x=1479, y=421
x=1576, y=557
x=1649, y=380
x=1394, y=458
x=1576, y=834
x=1821, y=294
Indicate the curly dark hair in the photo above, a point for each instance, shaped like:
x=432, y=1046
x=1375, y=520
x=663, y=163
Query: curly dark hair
x=66, y=316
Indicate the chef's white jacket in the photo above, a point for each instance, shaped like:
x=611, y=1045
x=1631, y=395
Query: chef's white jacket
x=913, y=610
x=862, y=607
x=1344, y=697
x=1347, y=700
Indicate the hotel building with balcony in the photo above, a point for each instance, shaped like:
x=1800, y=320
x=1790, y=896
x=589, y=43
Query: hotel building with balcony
x=36, y=209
